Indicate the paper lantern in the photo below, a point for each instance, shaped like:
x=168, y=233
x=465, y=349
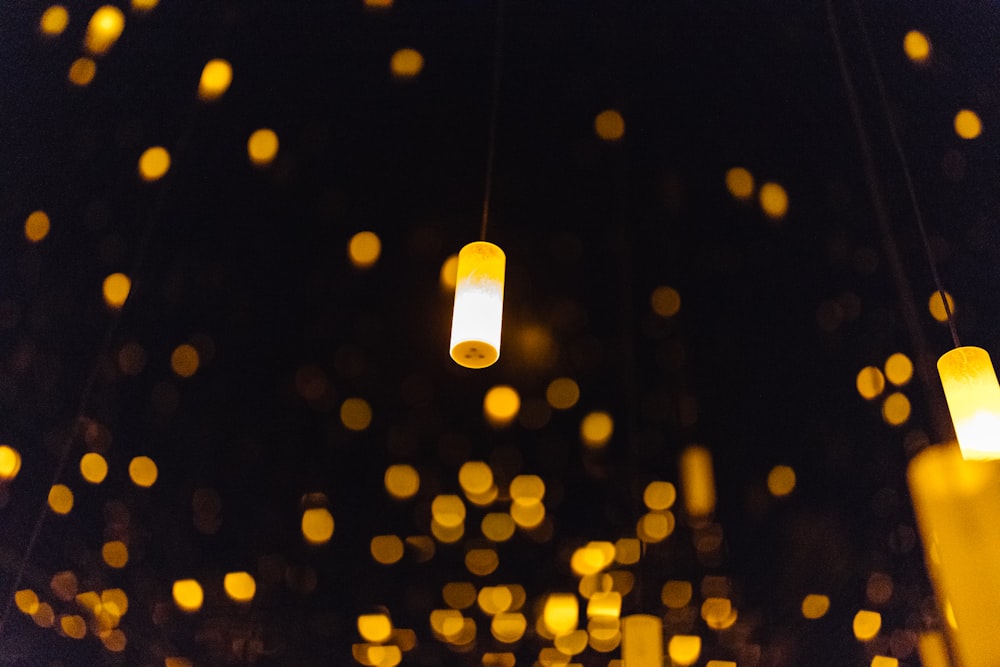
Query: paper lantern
x=973, y=395
x=475, y=325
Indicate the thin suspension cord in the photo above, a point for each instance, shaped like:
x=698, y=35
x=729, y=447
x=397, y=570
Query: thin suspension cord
x=498, y=47
x=907, y=177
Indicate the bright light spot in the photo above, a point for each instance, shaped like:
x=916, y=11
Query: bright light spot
x=527, y=516
x=498, y=526
x=215, y=79
x=114, y=601
x=386, y=549
x=262, y=146
x=867, y=624
x=26, y=601
x=596, y=429
x=718, y=613
x=115, y=554
x=561, y=613
x=666, y=301
x=356, y=414
x=527, y=489
x=402, y=481
x=104, y=29
x=36, y=227
x=449, y=273
x=883, y=661
x=475, y=477
x=317, y=525
x=188, y=595
x=562, y=393
x=82, y=71
x=659, y=495
x=364, y=249
x=898, y=369
x=781, y=481
x=592, y=558
x=967, y=124
x=73, y=626
x=609, y=125
x=406, y=63
x=501, y=405
x=572, y=643
x=870, y=382
x=917, y=46
x=60, y=499
x=239, y=586
x=54, y=20
x=684, y=650
x=628, y=550
x=140, y=6
x=697, y=481
x=378, y=4
x=676, y=594
x=154, y=163
x=448, y=510
x=936, y=306
x=773, y=200
x=142, y=471
x=184, y=360
x=10, y=462
x=655, y=526
x=495, y=599
x=116, y=288
x=896, y=409
x=739, y=182
x=374, y=627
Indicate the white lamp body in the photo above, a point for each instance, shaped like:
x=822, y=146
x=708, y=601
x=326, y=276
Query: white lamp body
x=973, y=395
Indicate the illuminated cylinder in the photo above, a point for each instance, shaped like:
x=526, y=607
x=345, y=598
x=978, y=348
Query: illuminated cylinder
x=642, y=641
x=973, y=395
x=957, y=505
x=697, y=481
x=475, y=324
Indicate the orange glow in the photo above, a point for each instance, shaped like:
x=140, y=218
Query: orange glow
x=684, y=650
x=239, y=586
x=143, y=471
x=82, y=71
x=215, y=79
x=666, y=301
x=561, y=613
x=917, y=47
x=501, y=405
x=967, y=124
x=478, y=313
x=188, y=595
x=402, y=481
x=973, y=396
x=815, y=606
x=184, y=360
x=676, y=594
x=659, y=495
x=374, y=627
x=739, y=182
x=115, y=554
x=773, y=200
x=936, y=306
x=154, y=163
x=104, y=29
x=642, y=640
x=781, y=481
x=870, y=382
x=356, y=414
x=867, y=624
x=596, y=429
x=609, y=125
x=262, y=146
x=697, y=481
x=10, y=462
x=54, y=20
x=317, y=525
x=116, y=289
x=60, y=499
x=406, y=63
x=386, y=549
x=898, y=369
x=36, y=226
x=364, y=249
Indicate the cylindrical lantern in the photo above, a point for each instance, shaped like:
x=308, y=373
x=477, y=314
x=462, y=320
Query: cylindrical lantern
x=475, y=324
x=642, y=641
x=973, y=395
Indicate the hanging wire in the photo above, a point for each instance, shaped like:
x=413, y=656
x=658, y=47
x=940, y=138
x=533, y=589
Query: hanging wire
x=495, y=103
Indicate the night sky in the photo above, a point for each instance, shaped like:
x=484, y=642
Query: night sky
x=249, y=265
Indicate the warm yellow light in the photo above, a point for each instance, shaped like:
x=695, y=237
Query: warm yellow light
x=655, y=526
x=449, y=273
x=572, y=643
x=406, y=63
x=482, y=562
x=386, y=549
x=478, y=313
x=26, y=601
x=184, y=360
x=527, y=489
x=501, y=405
x=592, y=558
x=60, y=499
x=317, y=525
x=262, y=146
x=917, y=46
x=739, y=182
x=896, y=409
x=114, y=601
x=498, y=526
x=10, y=462
x=402, y=481
x=82, y=71
x=967, y=124
x=374, y=627
x=781, y=480
x=188, y=595
x=239, y=586
x=475, y=477
x=174, y=661
x=215, y=79
x=973, y=397
x=659, y=495
x=720, y=663
x=867, y=624
x=697, y=481
x=666, y=301
x=113, y=640
x=378, y=4
x=933, y=650
x=562, y=393
x=364, y=249
x=773, y=200
x=45, y=617
x=507, y=628
x=596, y=429
x=115, y=554
x=140, y=6
x=628, y=550
x=116, y=288
x=815, y=606
x=104, y=29
x=54, y=20
x=154, y=163
x=448, y=510
x=36, y=227
x=73, y=626
x=642, y=640
x=684, y=650
x=495, y=599
x=870, y=382
x=676, y=594
x=898, y=369
x=356, y=414
x=561, y=613
x=609, y=125
x=936, y=306
x=884, y=661
x=143, y=471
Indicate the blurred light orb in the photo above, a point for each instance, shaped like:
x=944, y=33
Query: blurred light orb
x=10, y=463
x=54, y=20
x=773, y=200
x=740, y=183
x=364, y=249
x=262, y=146
x=154, y=163
x=967, y=124
x=609, y=125
x=917, y=47
x=216, y=77
x=82, y=71
x=406, y=63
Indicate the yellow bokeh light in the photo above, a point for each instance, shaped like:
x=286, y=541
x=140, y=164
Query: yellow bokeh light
x=54, y=20
x=82, y=71
x=36, y=226
x=781, y=481
x=356, y=414
x=936, y=306
x=142, y=471
x=495, y=599
x=114, y=640
x=10, y=462
x=527, y=516
x=628, y=550
x=676, y=594
x=501, y=405
x=114, y=601
x=448, y=510
x=561, y=613
x=884, y=661
x=262, y=146
x=684, y=650
x=60, y=499
x=104, y=29
x=697, y=481
x=609, y=125
x=449, y=273
x=26, y=601
x=239, y=586
x=140, y=6
x=188, y=595
x=968, y=124
x=406, y=63
x=482, y=562
x=655, y=526
x=498, y=526
x=659, y=495
x=739, y=182
x=870, y=382
x=562, y=393
x=459, y=594
x=773, y=200
x=184, y=360
x=898, y=369
x=115, y=554
x=364, y=249
x=317, y=525
x=666, y=301
x=867, y=624
x=402, y=481
x=154, y=163
x=571, y=643
x=215, y=79
x=596, y=429
x=475, y=477
x=527, y=489
x=386, y=549
x=917, y=47
x=896, y=409
x=116, y=289
x=45, y=617
x=592, y=558
x=374, y=627
x=73, y=626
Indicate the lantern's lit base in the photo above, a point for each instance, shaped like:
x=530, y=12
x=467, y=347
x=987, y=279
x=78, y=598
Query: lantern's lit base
x=474, y=354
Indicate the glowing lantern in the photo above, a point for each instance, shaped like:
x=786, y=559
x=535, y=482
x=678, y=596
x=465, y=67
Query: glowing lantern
x=973, y=395
x=475, y=326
